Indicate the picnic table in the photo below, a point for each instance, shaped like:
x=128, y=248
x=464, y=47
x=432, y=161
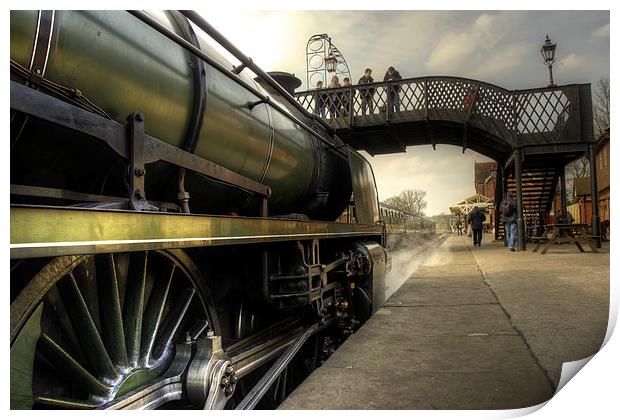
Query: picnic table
x=561, y=233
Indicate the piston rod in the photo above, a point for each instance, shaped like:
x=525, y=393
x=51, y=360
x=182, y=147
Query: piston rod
x=259, y=390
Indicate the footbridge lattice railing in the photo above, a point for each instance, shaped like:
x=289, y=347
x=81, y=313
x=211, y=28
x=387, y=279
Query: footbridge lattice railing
x=559, y=114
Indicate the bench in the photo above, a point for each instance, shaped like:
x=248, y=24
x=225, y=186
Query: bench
x=538, y=240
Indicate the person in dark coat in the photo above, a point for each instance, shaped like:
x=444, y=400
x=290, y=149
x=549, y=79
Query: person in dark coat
x=475, y=219
x=393, y=98
x=335, y=99
x=508, y=210
x=366, y=94
x=346, y=97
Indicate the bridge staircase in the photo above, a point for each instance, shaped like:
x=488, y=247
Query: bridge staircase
x=539, y=188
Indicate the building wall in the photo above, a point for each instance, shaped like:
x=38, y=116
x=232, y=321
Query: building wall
x=603, y=158
x=583, y=207
x=602, y=163
x=484, y=178
x=582, y=210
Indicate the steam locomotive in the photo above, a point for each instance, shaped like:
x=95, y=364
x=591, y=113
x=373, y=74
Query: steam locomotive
x=174, y=233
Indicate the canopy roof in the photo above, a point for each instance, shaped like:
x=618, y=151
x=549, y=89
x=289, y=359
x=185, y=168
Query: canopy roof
x=476, y=200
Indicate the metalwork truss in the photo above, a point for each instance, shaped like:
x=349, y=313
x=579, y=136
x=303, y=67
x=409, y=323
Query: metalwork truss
x=545, y=116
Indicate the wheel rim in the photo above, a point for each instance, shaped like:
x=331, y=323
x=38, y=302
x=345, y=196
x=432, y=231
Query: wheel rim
x=89, y=329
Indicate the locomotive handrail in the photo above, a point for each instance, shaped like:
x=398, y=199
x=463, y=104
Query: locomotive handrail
x=231, y=74
x=519, y=117
x=247, y=62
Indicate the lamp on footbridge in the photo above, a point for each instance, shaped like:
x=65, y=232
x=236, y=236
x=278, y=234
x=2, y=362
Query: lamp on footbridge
x=330, y=60
x=323, y=60
x=548, y=52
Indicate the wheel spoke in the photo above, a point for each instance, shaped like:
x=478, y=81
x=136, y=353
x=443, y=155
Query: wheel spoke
x=92, y=345
x=153, y=315
x=86, y=278
x=134, y=306
x=122, y=271
x=173, y=320
x=68, y=366
x=110, y=306
x=60, y=327
x=105, y=330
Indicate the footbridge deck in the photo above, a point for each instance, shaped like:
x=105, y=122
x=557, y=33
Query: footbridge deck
x=386, y=117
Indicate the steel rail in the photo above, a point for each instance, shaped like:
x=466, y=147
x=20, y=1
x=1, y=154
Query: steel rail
x=145, y=18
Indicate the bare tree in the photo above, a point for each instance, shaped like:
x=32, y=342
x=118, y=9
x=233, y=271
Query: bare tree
x=600, y=107
x=576, y=169
x=600, y=112
x=411, y=201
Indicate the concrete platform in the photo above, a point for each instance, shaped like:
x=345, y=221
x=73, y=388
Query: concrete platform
x=472, y=328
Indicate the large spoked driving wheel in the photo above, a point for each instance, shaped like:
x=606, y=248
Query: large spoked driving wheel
x=97, y=331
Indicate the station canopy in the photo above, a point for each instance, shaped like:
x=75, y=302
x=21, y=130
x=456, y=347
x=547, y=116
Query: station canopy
x=476, y=200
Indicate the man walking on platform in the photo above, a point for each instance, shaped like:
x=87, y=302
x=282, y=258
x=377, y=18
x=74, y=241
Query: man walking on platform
x=508, y=210
x=475, y=219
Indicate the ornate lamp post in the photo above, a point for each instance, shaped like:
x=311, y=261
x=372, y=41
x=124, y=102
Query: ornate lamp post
x=323, y=59
x=548, y=52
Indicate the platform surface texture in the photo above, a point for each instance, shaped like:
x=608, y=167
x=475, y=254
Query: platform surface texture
x=471, y=328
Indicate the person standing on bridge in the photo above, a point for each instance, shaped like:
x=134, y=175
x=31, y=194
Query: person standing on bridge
x=508, y=210
x=476, y=219
x=366, y=94
x=320, y=99
x=393, y=95
x=346, y=97
x=335, y=99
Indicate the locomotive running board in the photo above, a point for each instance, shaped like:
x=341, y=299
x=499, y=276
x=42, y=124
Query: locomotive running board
x=41, y=231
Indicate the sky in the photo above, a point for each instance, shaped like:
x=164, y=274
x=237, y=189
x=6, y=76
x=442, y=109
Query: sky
x=499, y=47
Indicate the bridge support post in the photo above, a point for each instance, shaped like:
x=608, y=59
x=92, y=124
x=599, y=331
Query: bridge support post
x=564, y=211
x=499, y=196
x=596, y=235
x=519, y=188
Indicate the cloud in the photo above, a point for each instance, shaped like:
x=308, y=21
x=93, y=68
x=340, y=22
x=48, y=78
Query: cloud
x=378, y=39
x=572, y=61
x=602, y=32
x=475, y=48
x=502, y=61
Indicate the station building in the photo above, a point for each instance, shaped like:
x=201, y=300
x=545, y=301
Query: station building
x=581, y=210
